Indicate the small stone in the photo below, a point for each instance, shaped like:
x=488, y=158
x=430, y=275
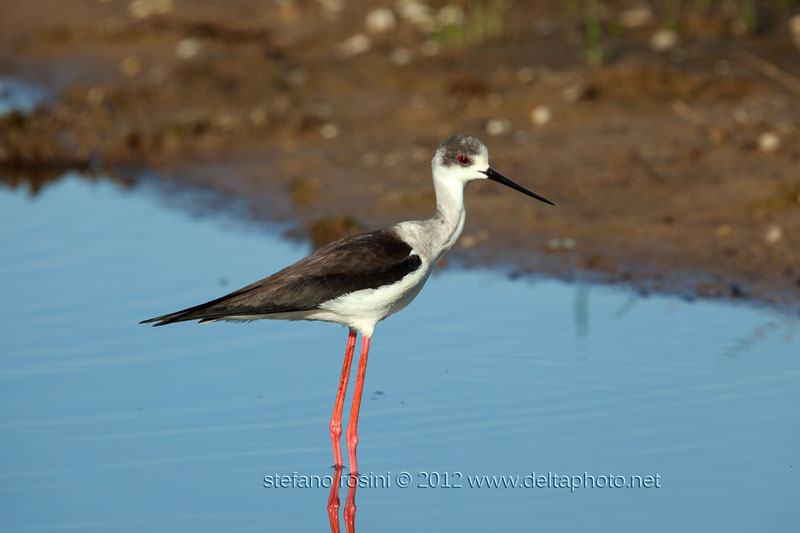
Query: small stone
x=576, y=92
x=541, y=115
x=716, y=136
x=636, y=17
x=323, y=111
x=258, y=116
x=140, y=9
x=785, y=126
x=521, y=137
x=370, y=159
x=794, y=29
x=544, y=28
x=739, y=27
x=329, y=131
x=722, y=67
x=332, y=7
x=468, y=241
x=678, y=55
x=494, y=100
x=429, y=48
x=498, y=126
x=769, y=142
x=287, y=11
x=187, y=48
x=525, y=75
x=391, y=159
x=130, y=66
x=281, y=103
x=417, y=13
x=401, y=56
x=357, y=44
x=451, y=15
x=296, y=76
x=773, y=234
x=556, y=244
x=742, y=116
x=95, y=96
x=418, y=101
x=228, y=122
x=723, y=230
x=379, y=20
x=158, y=73
x=663, y=40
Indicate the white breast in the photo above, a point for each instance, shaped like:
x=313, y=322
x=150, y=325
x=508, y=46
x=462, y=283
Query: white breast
x=365, y=308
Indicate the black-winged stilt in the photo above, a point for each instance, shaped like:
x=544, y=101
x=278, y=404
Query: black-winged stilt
x=361, y=279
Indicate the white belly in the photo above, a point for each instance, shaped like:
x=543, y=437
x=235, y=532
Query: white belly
x=363, y=309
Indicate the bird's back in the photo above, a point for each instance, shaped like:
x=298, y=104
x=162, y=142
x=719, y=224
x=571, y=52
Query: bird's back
x=351, y=264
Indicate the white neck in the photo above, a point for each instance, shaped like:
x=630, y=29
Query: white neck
x=432, y=238
x=448, y=220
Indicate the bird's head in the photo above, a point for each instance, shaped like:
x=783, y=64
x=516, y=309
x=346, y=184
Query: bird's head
x=462, y=158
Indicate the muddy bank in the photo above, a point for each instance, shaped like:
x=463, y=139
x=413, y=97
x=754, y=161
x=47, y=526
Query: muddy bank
x=673, y=156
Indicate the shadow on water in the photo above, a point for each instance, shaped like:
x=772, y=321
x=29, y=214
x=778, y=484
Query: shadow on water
x=482, y=384
x=35, y=180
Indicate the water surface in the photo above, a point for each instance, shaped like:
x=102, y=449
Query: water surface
x=112, y=426
x=16, y=95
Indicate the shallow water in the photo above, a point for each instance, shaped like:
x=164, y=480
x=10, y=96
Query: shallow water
x=16, y=95
x=112, y=426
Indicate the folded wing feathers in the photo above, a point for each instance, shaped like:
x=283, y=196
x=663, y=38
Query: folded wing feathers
x=362, y=261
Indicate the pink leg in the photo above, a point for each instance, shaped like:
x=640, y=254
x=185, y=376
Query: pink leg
x=336, y=418
x=352, y=438
x=352, y=426
x=336, y=433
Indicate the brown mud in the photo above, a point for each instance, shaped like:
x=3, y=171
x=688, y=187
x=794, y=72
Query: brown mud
x=675, y=164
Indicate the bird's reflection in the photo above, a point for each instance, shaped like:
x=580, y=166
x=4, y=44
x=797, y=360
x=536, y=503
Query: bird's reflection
x=333, y=500
x=350, y=502
x=350, y=505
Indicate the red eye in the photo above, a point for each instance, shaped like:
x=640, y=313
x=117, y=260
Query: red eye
x=464, y=160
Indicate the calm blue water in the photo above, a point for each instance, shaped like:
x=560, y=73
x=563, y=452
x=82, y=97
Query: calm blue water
x=112, y=426
x=16, y=95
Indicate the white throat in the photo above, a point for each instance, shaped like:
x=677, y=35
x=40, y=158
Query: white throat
x=433, y=238
x=450, y=210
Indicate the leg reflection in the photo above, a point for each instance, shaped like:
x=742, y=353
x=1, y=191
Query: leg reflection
x=333, y=500
x=350, y=504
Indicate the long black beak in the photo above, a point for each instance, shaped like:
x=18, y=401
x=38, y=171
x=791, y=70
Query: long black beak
x=499, y=178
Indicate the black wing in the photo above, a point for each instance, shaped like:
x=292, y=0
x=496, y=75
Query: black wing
x=362, y=261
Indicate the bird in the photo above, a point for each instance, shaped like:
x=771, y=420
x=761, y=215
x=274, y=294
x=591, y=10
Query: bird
x=359, y=280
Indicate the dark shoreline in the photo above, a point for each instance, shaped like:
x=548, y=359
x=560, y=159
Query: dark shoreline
x=671, y=176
